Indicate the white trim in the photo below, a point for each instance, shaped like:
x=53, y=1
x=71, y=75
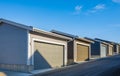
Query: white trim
x=101, y=49
x=117, y=49
x=32, y=51
x=65, y=54
x=52, y=42
x=90, y=51
x=35, y=39
x=28, y=48
x=82, y=43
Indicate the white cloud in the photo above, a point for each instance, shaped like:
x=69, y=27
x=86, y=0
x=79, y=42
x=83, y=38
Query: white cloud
x=97, y=8
x=77, y=10
x=116, y=1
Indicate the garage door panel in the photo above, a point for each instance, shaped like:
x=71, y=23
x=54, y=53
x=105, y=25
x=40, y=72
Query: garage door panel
x=51, y=54
x=39, y=61
x=82, y=53
x=110, y=50
x=103, y=51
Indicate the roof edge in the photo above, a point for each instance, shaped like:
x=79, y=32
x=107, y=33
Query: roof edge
x=97, y=40
x=110, y=42
x=64, y=34
x=86, y=40
x=51, y=34
x=16, y=24
x=70, y=36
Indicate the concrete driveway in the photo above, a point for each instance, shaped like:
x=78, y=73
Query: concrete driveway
x=109, y=66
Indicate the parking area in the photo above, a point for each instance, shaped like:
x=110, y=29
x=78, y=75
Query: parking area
x=109, y=66
x=102, y=67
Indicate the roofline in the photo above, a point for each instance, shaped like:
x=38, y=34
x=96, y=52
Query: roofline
x=64, y=34
x=90, y=39
x=30, y=28
x=71, y=36
x=97, y=41
x=16, y=24
x=51, y=34
x=104, y=43
x=86, y=40
x=110, y=42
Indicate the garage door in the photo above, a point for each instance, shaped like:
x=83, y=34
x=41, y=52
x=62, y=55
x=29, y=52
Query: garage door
x=103, y=51
x=48, y=55
x=82, y=52
x=110, y=50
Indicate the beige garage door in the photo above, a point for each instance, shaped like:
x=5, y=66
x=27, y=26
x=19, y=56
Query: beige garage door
x=48, y=55
x=110, y=50
x=82, y=53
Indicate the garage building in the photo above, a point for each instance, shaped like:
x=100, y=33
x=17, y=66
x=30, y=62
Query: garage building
x=112, y=47
x=78, y=49
x=24, y=48
x=99, y=48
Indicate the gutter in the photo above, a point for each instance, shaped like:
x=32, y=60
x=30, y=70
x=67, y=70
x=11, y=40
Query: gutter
x=50, y=34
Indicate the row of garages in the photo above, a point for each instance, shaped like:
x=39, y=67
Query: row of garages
x=103, y=48
x=24, y=48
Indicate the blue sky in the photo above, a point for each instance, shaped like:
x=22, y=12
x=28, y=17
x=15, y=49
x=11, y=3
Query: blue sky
x=85, y=18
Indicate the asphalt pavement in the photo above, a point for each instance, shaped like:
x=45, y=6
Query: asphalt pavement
x=109, y=66
x=13, y=73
